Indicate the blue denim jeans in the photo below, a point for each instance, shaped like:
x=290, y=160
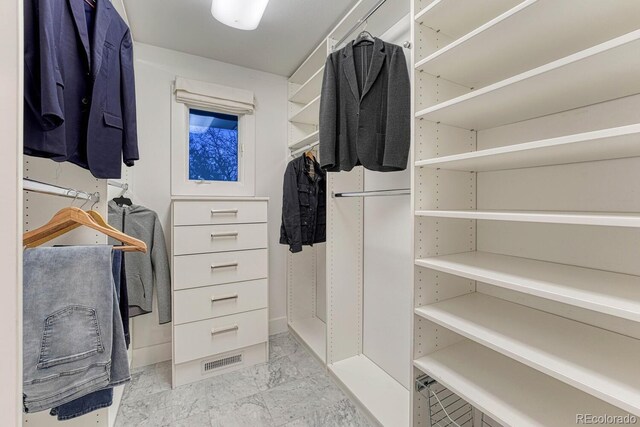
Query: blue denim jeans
x=101, y=398
x=71, y=344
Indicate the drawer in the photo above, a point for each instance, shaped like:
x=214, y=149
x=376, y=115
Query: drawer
x=192, y=271
x=222, y=300
x=223, y=212
x=219, y=335
x=219, y=238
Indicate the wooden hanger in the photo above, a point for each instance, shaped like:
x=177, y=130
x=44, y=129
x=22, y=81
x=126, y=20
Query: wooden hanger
x=310, y=155
x=70, y=218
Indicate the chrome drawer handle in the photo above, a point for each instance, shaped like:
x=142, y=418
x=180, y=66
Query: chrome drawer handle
x=229, y=264
x=215, y=331
x=229, y=234
x=224, y=211
x=224, y=298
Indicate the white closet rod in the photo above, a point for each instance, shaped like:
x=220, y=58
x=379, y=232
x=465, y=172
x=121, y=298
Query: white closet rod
x=303, y=149
x=44, y=188
x=375, y=193
x=122, y=185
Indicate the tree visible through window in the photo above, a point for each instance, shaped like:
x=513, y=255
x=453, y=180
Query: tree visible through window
x=213, y=146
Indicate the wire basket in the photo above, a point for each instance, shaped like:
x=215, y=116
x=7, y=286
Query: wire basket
x=447, y=409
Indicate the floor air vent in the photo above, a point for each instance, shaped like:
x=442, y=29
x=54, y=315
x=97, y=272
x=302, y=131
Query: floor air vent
x=212, y=365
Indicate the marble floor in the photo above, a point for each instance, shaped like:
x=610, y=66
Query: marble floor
x=292, y=390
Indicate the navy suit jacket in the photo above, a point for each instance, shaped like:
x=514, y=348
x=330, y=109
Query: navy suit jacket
x=79, y=86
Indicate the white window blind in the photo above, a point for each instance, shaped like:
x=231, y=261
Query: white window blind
x=220, y=98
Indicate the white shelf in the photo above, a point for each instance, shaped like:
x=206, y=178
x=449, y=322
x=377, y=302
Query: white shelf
x=555, y=217
x=313, y=63
x=305, y=140
x=603, y=72
x=601, y=363
x=508, y=391
x=539, y=31
x=310, y=89
x=602, y=291
x=385, y=398
x=605, y=144
x=309, y=114
x=313, y=333
x=456, y=18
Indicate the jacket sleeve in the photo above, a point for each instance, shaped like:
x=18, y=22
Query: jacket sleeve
x=291, y=211
x=398, y=137
x=128, y=97
x=160, y=264
x=328, y=117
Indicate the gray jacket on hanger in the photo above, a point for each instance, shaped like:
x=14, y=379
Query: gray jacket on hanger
x=143, y=270
x=365, y=108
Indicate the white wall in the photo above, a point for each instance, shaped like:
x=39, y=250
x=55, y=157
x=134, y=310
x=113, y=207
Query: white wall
x=11, y=212
x=156, y=69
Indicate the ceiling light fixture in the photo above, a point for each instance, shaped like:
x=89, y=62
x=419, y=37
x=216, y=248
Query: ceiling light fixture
x=240, y=14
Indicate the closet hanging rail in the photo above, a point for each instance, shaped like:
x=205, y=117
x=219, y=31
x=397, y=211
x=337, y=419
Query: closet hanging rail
x=375, y=193
x=359, y=23
x=303, y=149
x=122, y=185
x=44, y=188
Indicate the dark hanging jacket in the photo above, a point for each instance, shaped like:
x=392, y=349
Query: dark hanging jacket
x=304, y=216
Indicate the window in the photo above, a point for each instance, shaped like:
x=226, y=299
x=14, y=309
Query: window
x=212, y=140
x=213, y=146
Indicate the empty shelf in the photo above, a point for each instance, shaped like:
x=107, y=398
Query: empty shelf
x=312, y=332
x=600, y=73
x=305, y=140
x=605, y=144
x=554, y=217
x=508, y=391
x=456, y=18
x=309, y=114
x=601, y=363
x=310, y=65
x=383, y=396
x=539, y=31
x=603, y=291
x=310, y=89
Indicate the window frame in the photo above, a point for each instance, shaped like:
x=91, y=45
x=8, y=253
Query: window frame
x=181, y=185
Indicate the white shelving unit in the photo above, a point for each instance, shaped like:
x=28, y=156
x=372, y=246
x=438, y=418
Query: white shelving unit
x=605, y=144
x=603, y=291
x=597, y=74
x=309, y=90
x=526, y=229
x=309, y=114
x=575, y=218
x=508, y=391
x=578, y=354
x=305, y=140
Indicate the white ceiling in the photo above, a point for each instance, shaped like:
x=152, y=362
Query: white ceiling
x=289, y=31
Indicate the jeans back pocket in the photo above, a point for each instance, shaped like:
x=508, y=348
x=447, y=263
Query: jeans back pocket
x=70, y=334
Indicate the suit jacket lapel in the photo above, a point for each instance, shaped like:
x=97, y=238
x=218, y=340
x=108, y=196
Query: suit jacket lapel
x=77, y=10
x=376, y=65
x=350, y=70
x=102, y=21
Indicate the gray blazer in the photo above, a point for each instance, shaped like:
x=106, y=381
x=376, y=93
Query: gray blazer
x=365, y=115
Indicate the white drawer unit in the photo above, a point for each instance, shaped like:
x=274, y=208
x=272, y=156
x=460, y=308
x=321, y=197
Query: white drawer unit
x=200, y=339
x=219, y=238
x=192, y=271
x=220, y=271
x=219, y=212
x=221, y=300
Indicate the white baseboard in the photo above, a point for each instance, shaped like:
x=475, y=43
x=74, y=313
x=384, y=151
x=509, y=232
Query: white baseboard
x=278, y=325
x=153, y=354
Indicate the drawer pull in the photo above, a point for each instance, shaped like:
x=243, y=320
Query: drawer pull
x=215, y=331
x=229, y=234
x=229, y=264
x=224, y=211
x=224, y=298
